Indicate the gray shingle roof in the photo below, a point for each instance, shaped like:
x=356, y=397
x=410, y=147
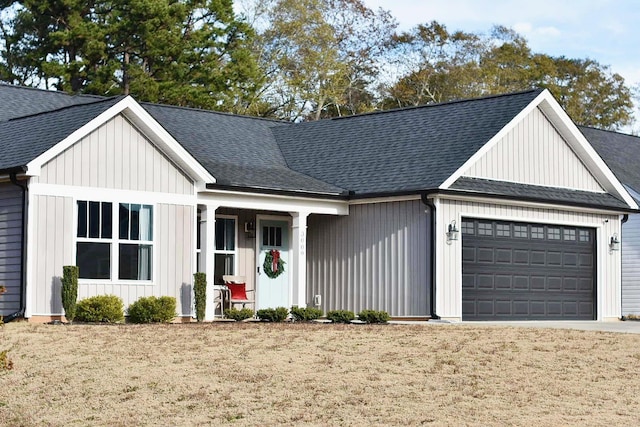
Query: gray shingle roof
x=23, y=139
x=619, y=151
x=238, y=151
x=538, y=193
x=399, y=150
x=396, y=151
x=19, y=101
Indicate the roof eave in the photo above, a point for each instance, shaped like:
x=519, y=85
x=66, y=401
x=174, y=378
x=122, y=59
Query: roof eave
x=272, y=191
x=529, y=199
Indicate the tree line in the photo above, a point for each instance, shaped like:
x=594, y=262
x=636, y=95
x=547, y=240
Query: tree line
x=286, y=59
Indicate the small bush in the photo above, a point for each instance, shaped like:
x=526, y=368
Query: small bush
x=302, y=314
x=238, y=315
x=373, y=316
x=273, y=314
x=200, y=294
x=100, y=308
x=69, y=291
x=153, y=310
x=6, y=364
x=340, y=316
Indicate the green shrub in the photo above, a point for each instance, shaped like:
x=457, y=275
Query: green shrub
x=238, y=315
x=200, y=294
x=273, y=315
x=70, y=291
x=340, y=316
x=100, y=308
x=305, y=314
x=153, y=310
x=373, y=316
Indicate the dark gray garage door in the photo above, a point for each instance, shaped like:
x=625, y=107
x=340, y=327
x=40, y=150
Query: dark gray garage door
x=520, y=271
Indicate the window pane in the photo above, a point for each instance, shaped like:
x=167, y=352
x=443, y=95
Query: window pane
x=278, y=236
x=94, y=220
x=225, y=234
x=106, y=220
x=135, y=222
x=124, y=220
x=93, y=260
x=223, y=265
x=82, y=218
x=146, y=222
x=135, y=262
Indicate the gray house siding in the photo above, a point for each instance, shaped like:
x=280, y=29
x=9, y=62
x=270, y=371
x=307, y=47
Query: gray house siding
x=631, y=263
x=10, y=246
x=374, y=258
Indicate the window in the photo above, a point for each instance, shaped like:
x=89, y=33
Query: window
x=485, y=229
x=520, y=231
x=569, y=234
x=584, y=235
x=553, y=233
x=225, y=251
x=537, y=232
x=100, y=254
x=503, y=230
x=272, y=236
x=467, y=227
x=136, y=236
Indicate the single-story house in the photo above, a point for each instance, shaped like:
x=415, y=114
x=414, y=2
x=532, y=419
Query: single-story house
x=621, y=153
x=481, y=209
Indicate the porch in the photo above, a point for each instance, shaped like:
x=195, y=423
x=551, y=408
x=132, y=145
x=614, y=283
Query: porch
x=238, y=232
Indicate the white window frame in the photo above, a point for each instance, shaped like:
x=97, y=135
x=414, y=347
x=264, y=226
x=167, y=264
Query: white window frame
x=234, y=252
x=115, y=240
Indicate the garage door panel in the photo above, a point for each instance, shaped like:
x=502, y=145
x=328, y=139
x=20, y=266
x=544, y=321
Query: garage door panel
x=527, y=271
x=485, y=255
x=503, y=282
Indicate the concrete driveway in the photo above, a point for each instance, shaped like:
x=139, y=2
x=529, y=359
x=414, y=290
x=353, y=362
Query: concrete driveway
x=628, y=327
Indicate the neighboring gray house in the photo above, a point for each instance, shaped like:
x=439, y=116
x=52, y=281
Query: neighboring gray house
x=622, y=154
x=483, y=209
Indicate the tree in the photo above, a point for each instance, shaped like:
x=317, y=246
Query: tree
x=319, y=56
x=184, y=52
x=445, y=66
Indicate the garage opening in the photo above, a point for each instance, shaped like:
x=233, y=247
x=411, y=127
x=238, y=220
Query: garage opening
x=524, y=271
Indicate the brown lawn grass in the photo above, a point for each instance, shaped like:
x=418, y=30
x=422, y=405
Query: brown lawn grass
x=275, y=374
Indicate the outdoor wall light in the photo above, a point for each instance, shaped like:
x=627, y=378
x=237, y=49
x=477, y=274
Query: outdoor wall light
x=452, y=231
x=614, y=243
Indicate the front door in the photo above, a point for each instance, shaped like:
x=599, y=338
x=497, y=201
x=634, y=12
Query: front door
x=272, y=288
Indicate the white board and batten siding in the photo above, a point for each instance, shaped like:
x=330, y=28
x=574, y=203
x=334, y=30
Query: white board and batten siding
x=374, y=258
x=116, y=156
x=11, y=240
x=449, y=256
x=118, y=162
x=630, y=243
x=533, y=152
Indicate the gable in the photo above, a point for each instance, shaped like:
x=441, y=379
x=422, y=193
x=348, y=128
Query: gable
x=534, y=152
x=116, y=155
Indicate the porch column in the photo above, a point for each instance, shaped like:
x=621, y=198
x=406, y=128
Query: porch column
x=299, y=258
x=207, y=255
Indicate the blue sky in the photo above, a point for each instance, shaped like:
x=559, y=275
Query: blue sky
x=607, y=31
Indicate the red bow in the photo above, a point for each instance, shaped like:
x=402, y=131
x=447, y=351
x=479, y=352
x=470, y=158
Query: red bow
x=275, y=258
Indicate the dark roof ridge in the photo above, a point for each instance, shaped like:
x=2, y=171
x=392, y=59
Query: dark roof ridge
x=66, y=107
x=440, y=104
x=222, y=113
